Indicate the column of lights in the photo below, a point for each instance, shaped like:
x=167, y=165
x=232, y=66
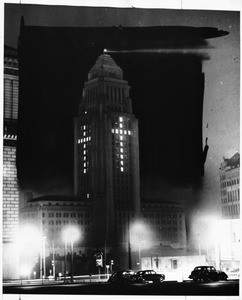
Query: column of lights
x=121, y=132
x=85, y=139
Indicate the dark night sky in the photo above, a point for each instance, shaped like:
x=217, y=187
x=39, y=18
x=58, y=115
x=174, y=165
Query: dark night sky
x=57, y=72
x=166, y=90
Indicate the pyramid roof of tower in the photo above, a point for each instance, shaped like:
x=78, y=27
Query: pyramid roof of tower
x=106, y=66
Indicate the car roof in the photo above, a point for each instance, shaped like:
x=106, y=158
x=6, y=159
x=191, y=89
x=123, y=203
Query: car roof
x=205, y=267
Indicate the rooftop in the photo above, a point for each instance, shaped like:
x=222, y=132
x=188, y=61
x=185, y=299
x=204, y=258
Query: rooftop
x=105, y=66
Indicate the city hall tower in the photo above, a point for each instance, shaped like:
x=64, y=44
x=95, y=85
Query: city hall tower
x=106, y=158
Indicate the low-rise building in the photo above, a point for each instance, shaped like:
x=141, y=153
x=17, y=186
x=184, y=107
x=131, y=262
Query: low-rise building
x=166, y=220
x=51, y=214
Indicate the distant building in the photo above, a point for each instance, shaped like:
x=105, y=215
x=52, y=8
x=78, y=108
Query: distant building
x=166, y=220
x=230, y=187
x=230, y=236
x=10, y=183
x=51, y=214
x=106, y=167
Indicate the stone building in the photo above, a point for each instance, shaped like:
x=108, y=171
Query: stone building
x=230, y=187
x=229, y=242
x=10, y=191
x=166, y=220
x=51, y=214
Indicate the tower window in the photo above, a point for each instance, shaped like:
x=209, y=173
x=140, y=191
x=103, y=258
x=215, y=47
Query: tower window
x=120, y=119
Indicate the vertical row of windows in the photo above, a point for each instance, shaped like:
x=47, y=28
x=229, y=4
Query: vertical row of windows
x=120, y=143
x=114, y=93
x=10, y=98
x=233, y=196
x=231, y=210
x=84, y=140
x=91, y=94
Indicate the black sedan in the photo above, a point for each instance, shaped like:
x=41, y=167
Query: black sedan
x=206, y=274
x=122, y=277
x=149, y=276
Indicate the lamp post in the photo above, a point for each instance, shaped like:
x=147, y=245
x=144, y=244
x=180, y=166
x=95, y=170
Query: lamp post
x=28, y=241
x=71, y=234
x=140, y=237
x=43, y=253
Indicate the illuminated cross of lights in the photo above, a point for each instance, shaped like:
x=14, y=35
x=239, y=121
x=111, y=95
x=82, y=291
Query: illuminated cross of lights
x=121, y=132
x=84, y=140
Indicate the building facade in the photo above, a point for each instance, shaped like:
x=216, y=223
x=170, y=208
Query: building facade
x=230, y=236
x=106, y=167
x=51, y=214
x=10, y=183
x=166, y=220
x=230, y=187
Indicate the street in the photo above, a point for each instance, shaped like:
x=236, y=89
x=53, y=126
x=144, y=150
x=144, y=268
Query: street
x=222, y=288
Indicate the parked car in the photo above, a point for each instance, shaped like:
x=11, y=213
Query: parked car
x=122, y=277
x=207, y=273
x=149, y=276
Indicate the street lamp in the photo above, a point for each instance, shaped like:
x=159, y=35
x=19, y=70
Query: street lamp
x=140, y=238
x=28, y=241
x=70, y=234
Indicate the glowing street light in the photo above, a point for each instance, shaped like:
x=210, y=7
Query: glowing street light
x=28, y=243
x=70, y=235
x=208, y=231
x=140, y=237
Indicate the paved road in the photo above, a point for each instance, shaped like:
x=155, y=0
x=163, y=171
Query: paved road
x=223, y=288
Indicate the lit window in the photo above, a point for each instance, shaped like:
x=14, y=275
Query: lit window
x=121, y=150
x=84, y=127
x=120, y=119
x=121, y=162
x=121, y=137
x=84, y=133
x=84, y=157
x=112, y=130
x=84, y=146
x=89, y=138
x=121, y=125
x=125, y=131
x=85, y=171
x=121, y=131
x=122, y=169
x=85, y=112
x=79, y=141
x=88, y=195
x=121, y=144
x=129, y=132
x=116, y=130
x=84, y=152
x=84, y=164
x=121, y=156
